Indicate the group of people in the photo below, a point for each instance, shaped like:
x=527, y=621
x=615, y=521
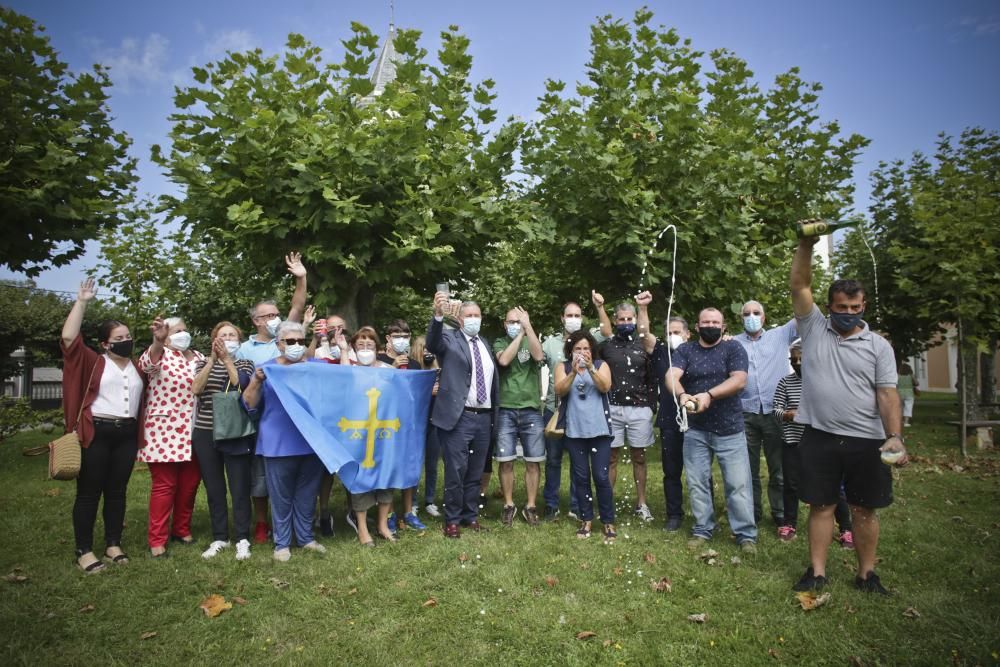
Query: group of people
x=823, y=429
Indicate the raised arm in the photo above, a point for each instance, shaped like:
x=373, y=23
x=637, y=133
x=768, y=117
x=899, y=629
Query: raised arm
x=296, y=268
x=602, y=315
x=435, y=329
x=801, y=277
x=159, y=331
x=534, y=345
x=71, y=328
x=646, y=335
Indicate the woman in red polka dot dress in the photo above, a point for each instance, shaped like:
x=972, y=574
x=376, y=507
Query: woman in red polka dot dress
x=166, y=448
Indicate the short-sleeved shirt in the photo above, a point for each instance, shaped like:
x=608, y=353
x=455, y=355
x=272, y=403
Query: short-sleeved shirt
x=704, y=368
x=843, y=398
x=666, y=416
x=632, y=381
x=787, y=396
x=218, y=380
x=553, y=352
x=768, y=356
x=520, y=382
x=253, y=350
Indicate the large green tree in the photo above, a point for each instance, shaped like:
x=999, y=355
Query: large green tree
x=64, y=171
x=660, y=134
x=276, y=154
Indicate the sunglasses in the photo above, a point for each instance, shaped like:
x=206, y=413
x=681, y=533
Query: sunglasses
x=582, y=388
x=295, y=341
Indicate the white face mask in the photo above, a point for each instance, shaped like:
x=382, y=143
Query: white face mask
x=366, y=357
x=675, y=341
x=232, y=346
x=573, y=324
x=294, y=352
x=401, y=345
x=470, y=325
x=334, y=352
x=272, y=326
x=180, y=341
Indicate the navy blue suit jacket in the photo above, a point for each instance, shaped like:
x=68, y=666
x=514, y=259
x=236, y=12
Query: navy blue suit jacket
x=452, y=350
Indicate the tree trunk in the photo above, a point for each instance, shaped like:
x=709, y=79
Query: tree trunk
x=356, y=307
x=987, y=373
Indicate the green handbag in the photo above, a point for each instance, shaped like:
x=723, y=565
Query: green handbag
x=229, y=419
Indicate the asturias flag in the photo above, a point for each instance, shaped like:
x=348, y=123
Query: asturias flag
x=367, y=425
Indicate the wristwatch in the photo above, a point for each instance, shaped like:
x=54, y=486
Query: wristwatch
x=889, y=436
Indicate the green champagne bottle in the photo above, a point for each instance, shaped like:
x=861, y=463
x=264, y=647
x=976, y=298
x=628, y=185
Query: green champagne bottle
x=821, y=227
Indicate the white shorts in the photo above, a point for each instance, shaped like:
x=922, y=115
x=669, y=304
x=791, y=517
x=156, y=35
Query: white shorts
x=632, y=424
x=907, y=407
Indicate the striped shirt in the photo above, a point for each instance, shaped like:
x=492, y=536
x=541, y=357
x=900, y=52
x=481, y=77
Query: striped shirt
x=786, y=397
x=768, y=355
x=218, y=380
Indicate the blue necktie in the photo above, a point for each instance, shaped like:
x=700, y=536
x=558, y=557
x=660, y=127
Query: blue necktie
x=480, y=377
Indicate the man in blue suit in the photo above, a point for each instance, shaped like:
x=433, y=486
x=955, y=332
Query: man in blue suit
x=465, y=409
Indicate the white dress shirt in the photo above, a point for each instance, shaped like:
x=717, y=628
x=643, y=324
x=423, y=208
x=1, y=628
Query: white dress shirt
x=484, y=356
x=121, y=392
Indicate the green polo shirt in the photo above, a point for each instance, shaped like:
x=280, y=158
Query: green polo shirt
x=520, y=382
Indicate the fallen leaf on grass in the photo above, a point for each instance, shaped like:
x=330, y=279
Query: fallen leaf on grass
x=809, y=600
x=16, y=577
x=324, y=590
x=584, y=566
x=431, y=602
x=649, y=558
x=662, y=586
x=551, y=581
x=698, y=618
x=239, y=600
x=147, y=635
x=586, y=634
x=735, y=560
x=278, y=583
x=87, y=608
x=773, y=653
x=855, y=661
x=462, y=557
x=53, y=492
x=353, y=591
x=214, y=605
x=618, y=571
x=911, y=612
x=708, y=553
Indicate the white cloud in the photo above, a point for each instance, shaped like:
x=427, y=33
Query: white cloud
x=135, y=62
x=230, y=40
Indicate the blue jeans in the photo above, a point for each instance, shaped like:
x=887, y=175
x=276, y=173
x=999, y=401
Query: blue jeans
x=432, y=452
x=591, y=458
x=293, y=484
x=554, y=448
x=731, y=450
x=465, y=449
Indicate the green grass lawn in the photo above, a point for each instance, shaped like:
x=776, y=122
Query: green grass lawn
x=519, y=595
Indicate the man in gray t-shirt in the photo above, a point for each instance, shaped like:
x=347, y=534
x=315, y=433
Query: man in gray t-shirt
x=853, y=420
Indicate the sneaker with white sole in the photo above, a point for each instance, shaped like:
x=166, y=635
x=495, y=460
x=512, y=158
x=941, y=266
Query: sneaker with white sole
x=283, y=555
x=642, y=511
x=243, y=550
x=352, y=522
x=214, y=548
x=432, y=510
x=314, y=546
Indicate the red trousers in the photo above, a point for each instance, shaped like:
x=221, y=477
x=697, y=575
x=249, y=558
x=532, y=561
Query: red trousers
x=174, y=488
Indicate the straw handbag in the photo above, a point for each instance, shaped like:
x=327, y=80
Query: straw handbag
x=65, y=452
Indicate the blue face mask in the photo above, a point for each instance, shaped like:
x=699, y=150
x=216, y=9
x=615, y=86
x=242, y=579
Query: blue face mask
x=625, y=330
x=846, y=322
x=513, y=330
x=751, y=323
x=470, y=325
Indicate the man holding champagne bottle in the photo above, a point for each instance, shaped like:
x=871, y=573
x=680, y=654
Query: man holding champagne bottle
x=852, y=417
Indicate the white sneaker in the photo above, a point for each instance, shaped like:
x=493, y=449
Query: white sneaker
x=283, y=555
x=642, y=511
x=243, y=550
x=433, y=510
x=573, y=515
x=314, y=546
x=213, y=549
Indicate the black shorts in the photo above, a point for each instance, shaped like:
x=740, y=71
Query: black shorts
x=828, y=459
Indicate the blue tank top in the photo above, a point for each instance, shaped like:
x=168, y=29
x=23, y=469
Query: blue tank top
x=586, y=408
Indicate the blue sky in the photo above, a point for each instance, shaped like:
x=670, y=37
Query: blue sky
x=896, y=72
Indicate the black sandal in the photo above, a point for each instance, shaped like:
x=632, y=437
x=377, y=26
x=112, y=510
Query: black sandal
x=584, y=531
x=609, y=533
x=189, y=540
x=120, y=559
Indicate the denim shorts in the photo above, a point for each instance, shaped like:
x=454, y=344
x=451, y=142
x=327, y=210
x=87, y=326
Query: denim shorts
x=524, y=424
x=633, y=424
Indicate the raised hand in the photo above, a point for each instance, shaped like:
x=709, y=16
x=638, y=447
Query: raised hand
x=294, y=263
x=341, y=340
x=219, y=349
x=596, y=298
x=87, y=291
x=309, y=317
x=644, y=298
x=441, y=303
x=159, y=330
x=522, y=317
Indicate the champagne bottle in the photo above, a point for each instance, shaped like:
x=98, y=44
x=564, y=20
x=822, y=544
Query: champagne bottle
x=821, y=227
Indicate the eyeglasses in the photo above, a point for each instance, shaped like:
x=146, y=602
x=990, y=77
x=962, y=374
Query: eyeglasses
x=267, y=316
x=295, y=341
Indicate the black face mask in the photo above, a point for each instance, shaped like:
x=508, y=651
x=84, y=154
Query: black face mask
x=428, y=359
x=710, y=335
x=845, y=322
x=123, y=348
x=797, y=368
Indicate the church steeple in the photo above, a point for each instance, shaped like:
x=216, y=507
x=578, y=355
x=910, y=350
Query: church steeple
x=385, y=67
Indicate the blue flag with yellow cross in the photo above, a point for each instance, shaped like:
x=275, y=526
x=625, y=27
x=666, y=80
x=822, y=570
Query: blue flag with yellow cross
x=367, y=425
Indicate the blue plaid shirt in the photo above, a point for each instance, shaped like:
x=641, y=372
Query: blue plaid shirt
x=768, y=355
